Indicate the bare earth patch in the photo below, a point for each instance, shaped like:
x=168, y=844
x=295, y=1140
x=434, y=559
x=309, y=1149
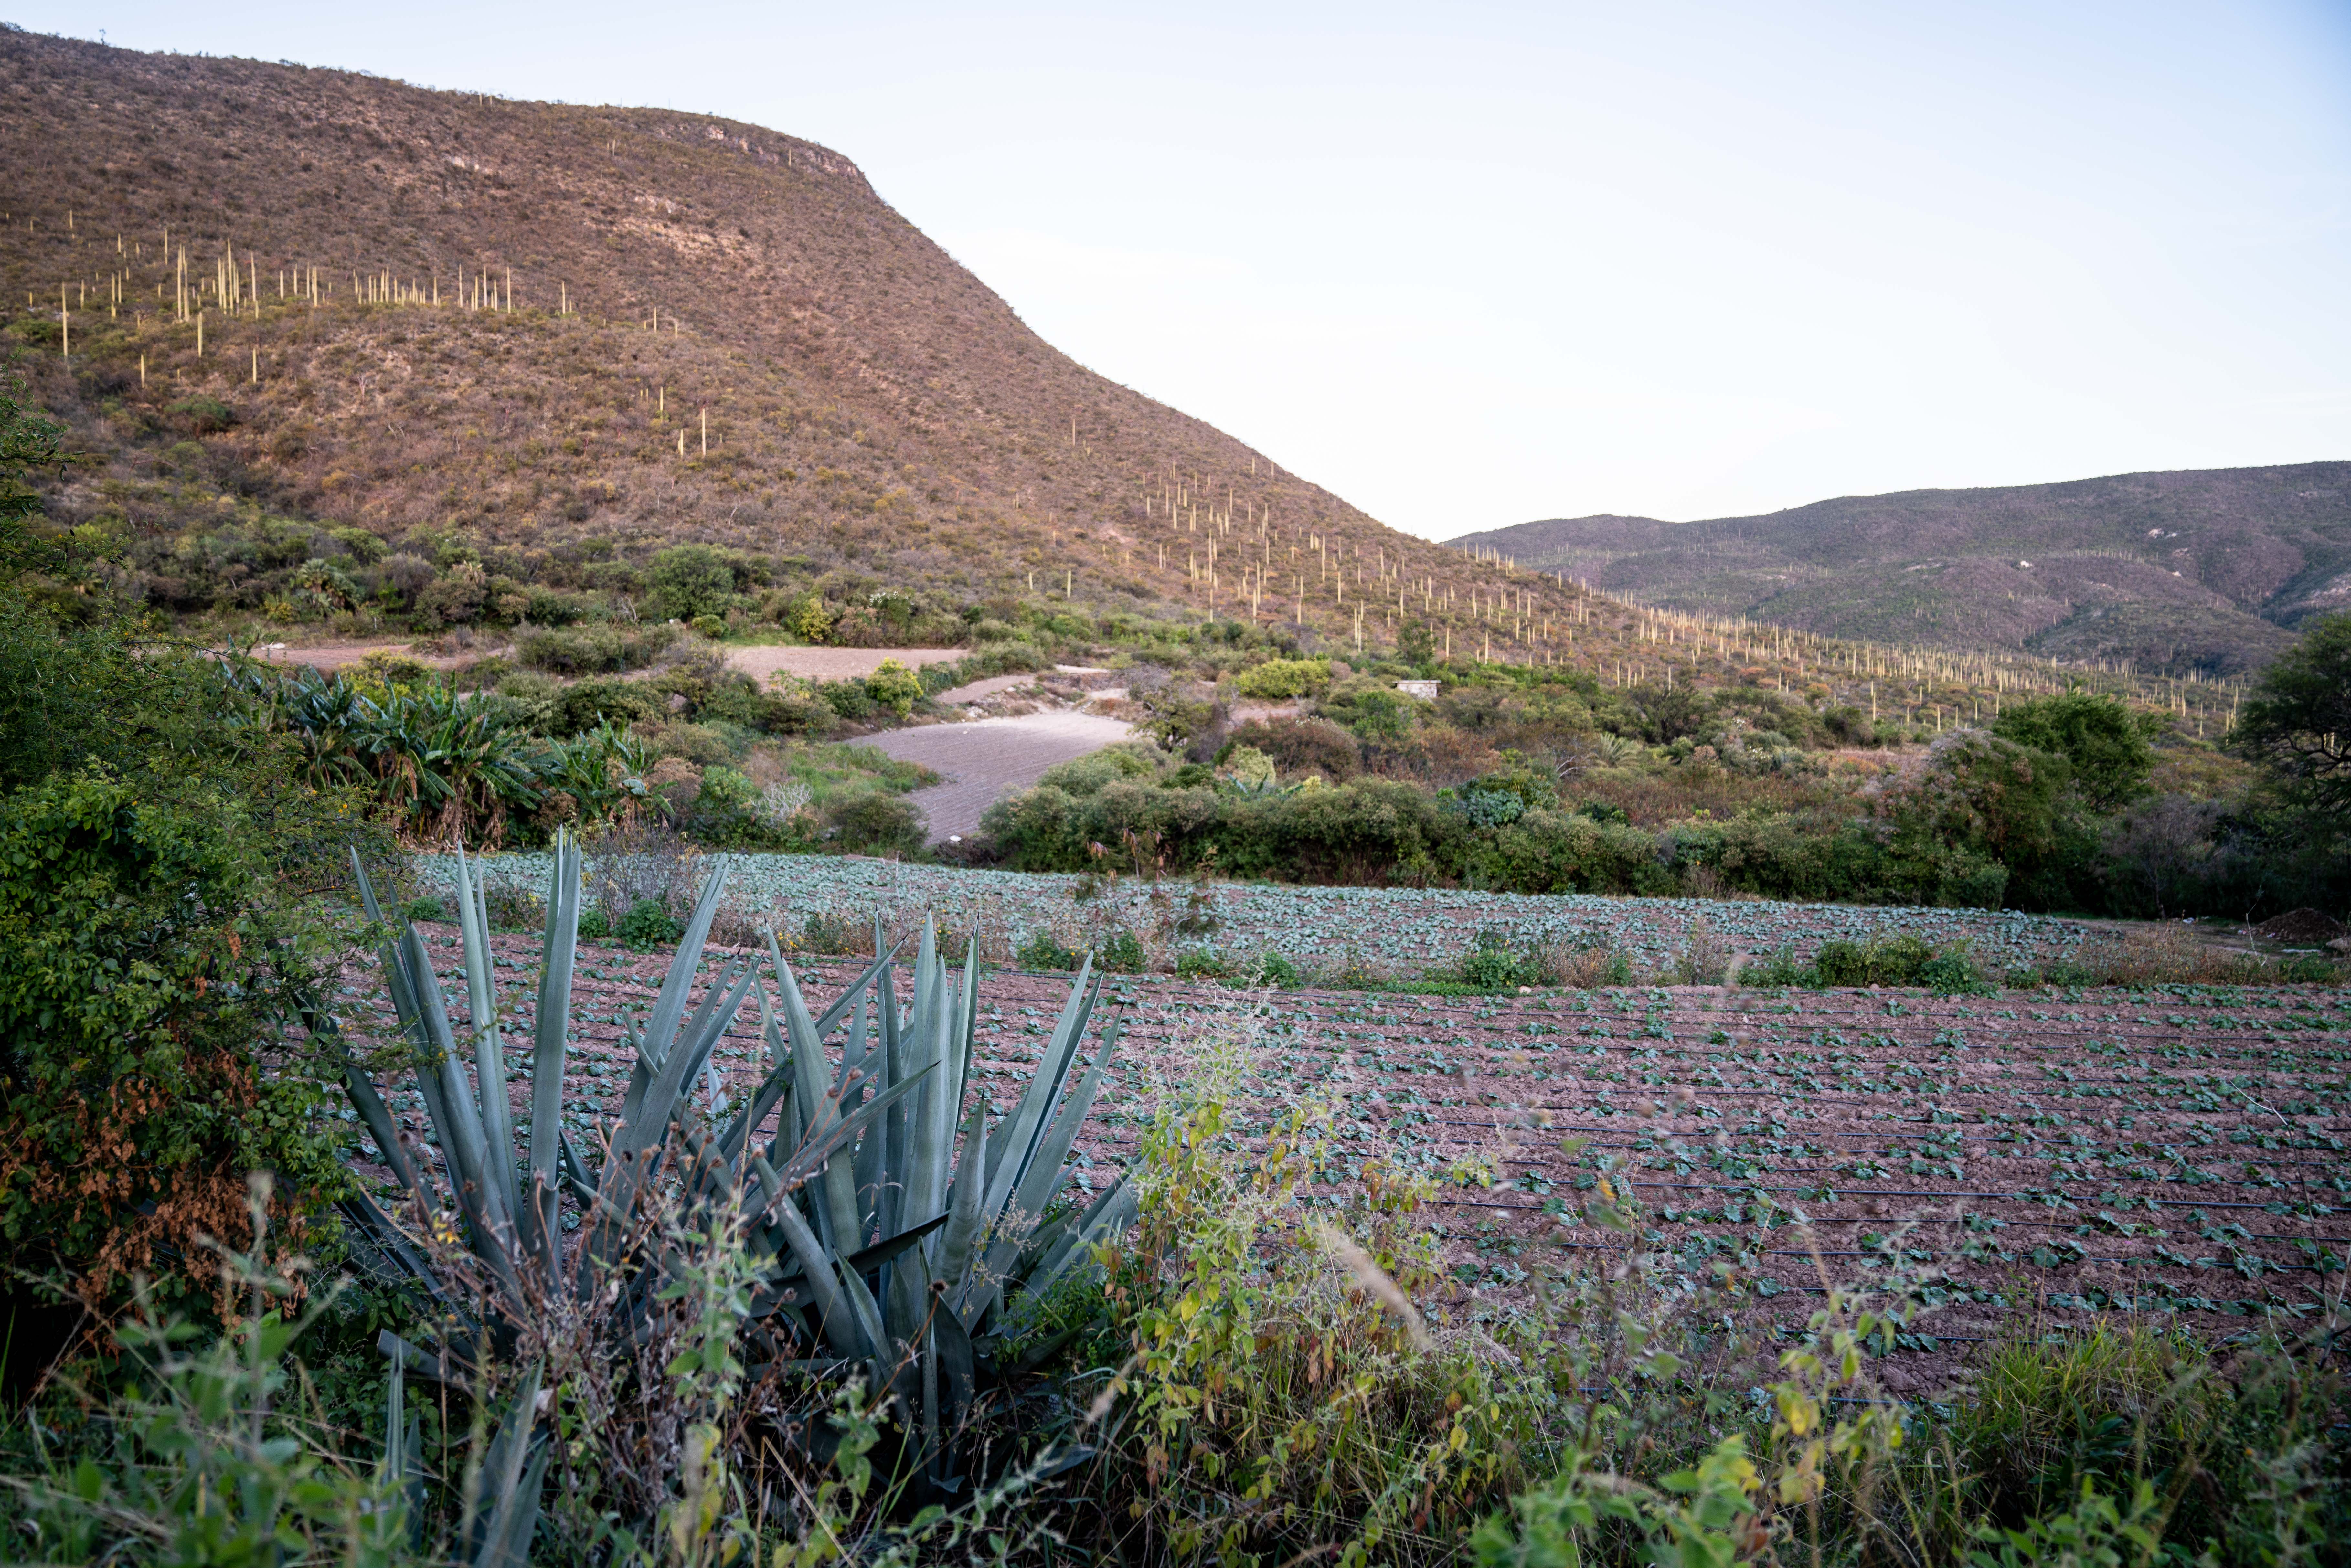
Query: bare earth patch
x=327, y=657
x=984, y=760
x=832, y=663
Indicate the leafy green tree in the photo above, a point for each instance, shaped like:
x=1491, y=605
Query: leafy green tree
x=693, y=580
x=1988, y=797
x=2297, y=722
x=2104, y=743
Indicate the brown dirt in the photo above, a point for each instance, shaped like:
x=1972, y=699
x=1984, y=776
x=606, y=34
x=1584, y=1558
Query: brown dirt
x=328, y=657
x=2052, y=1160
x=832, y=663
x=988, y=687
x=2301, y=927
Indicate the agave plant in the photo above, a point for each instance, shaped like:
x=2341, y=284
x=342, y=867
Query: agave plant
x=896, y=1231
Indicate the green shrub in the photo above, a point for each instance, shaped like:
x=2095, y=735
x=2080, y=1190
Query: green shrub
x=1486, y=968
x=593, y=648
x=204, y=416
x=693, y=581
x=593, y=926
x=1120, y=954
x=711, y=626
x=896, y=687
x=1273, y=969
x=2309, y=969
x=1950, y=973
x=1043, y=950
x=1201, y=963
x=1779, y=969
x=649, y=923
x=874, y=823
x=850, y=699
x=1085, y=776
x=2104, y=743
x=1278, y=680
x=426, y=907
x=146, y=959
x=829, y=931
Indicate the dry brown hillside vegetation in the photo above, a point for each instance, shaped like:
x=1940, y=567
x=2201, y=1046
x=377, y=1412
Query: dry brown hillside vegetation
x=556, y=338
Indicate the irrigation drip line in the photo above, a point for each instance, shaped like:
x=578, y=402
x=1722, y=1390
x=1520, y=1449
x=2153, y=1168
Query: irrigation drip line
x=1865, y=1192
x=1578, y=1127
x=2004, y=1225
x=1840, y=1194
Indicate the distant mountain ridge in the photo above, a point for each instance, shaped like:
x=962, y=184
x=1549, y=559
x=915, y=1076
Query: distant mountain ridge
x=2208, y=570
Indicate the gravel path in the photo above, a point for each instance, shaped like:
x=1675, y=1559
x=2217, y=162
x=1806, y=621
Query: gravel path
x=984, y=760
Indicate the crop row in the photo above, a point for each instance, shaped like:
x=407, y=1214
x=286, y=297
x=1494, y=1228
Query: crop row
x=1382, y=929
x=2177, y=1149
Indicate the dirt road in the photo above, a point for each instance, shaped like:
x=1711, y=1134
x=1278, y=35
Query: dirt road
x=985, y=759
x=832, y=663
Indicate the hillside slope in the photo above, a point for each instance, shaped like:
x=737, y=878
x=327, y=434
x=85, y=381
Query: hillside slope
x=563, y=335
x=2198, y=569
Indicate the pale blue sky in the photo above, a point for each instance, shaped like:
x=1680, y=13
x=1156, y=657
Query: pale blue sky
x=1473, y=264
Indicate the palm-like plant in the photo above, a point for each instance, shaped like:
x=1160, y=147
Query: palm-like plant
x=893, y=1230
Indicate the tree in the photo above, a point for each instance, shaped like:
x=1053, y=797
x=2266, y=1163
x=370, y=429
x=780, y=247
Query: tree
x=2104, y=745
x=2297, y=722
x=693, y=580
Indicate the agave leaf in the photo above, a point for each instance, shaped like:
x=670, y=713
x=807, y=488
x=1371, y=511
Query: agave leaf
x=1007, y=1165
x=934, y=1125
x=837, y=1209
x=449, y=1102
x=638, y=1131
x=377, y=1117
x=450, y=1371
x=497, y=1482
x=489, y=1062
x=553, y=1023
x=895, y=1136
x=516, y=1518
x=1109, y=1213
x=1045, y=1174
x=861, y=1262
x=843, y=1328
x=867, y=1171
x=636, y=1144
x=962, y=1207
x=393, y=1243
x=779, y=1079
x=957, y=1377
x=822, y=1142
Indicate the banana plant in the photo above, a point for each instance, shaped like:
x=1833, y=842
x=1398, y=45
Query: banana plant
x=897, y=1229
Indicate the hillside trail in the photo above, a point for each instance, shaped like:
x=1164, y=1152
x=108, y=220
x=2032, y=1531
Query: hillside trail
x=986, y=758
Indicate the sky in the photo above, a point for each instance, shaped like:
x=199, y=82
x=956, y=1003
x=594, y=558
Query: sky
x=1469, y=264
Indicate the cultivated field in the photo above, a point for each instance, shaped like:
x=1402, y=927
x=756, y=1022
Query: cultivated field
x=2036, y=1158
x=1381, y=931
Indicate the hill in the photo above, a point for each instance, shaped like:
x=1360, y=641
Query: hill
x=2195, y=570
x=349, y=356
x=558, y=337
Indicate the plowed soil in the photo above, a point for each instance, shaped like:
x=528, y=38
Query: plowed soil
x=2172, y=1153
